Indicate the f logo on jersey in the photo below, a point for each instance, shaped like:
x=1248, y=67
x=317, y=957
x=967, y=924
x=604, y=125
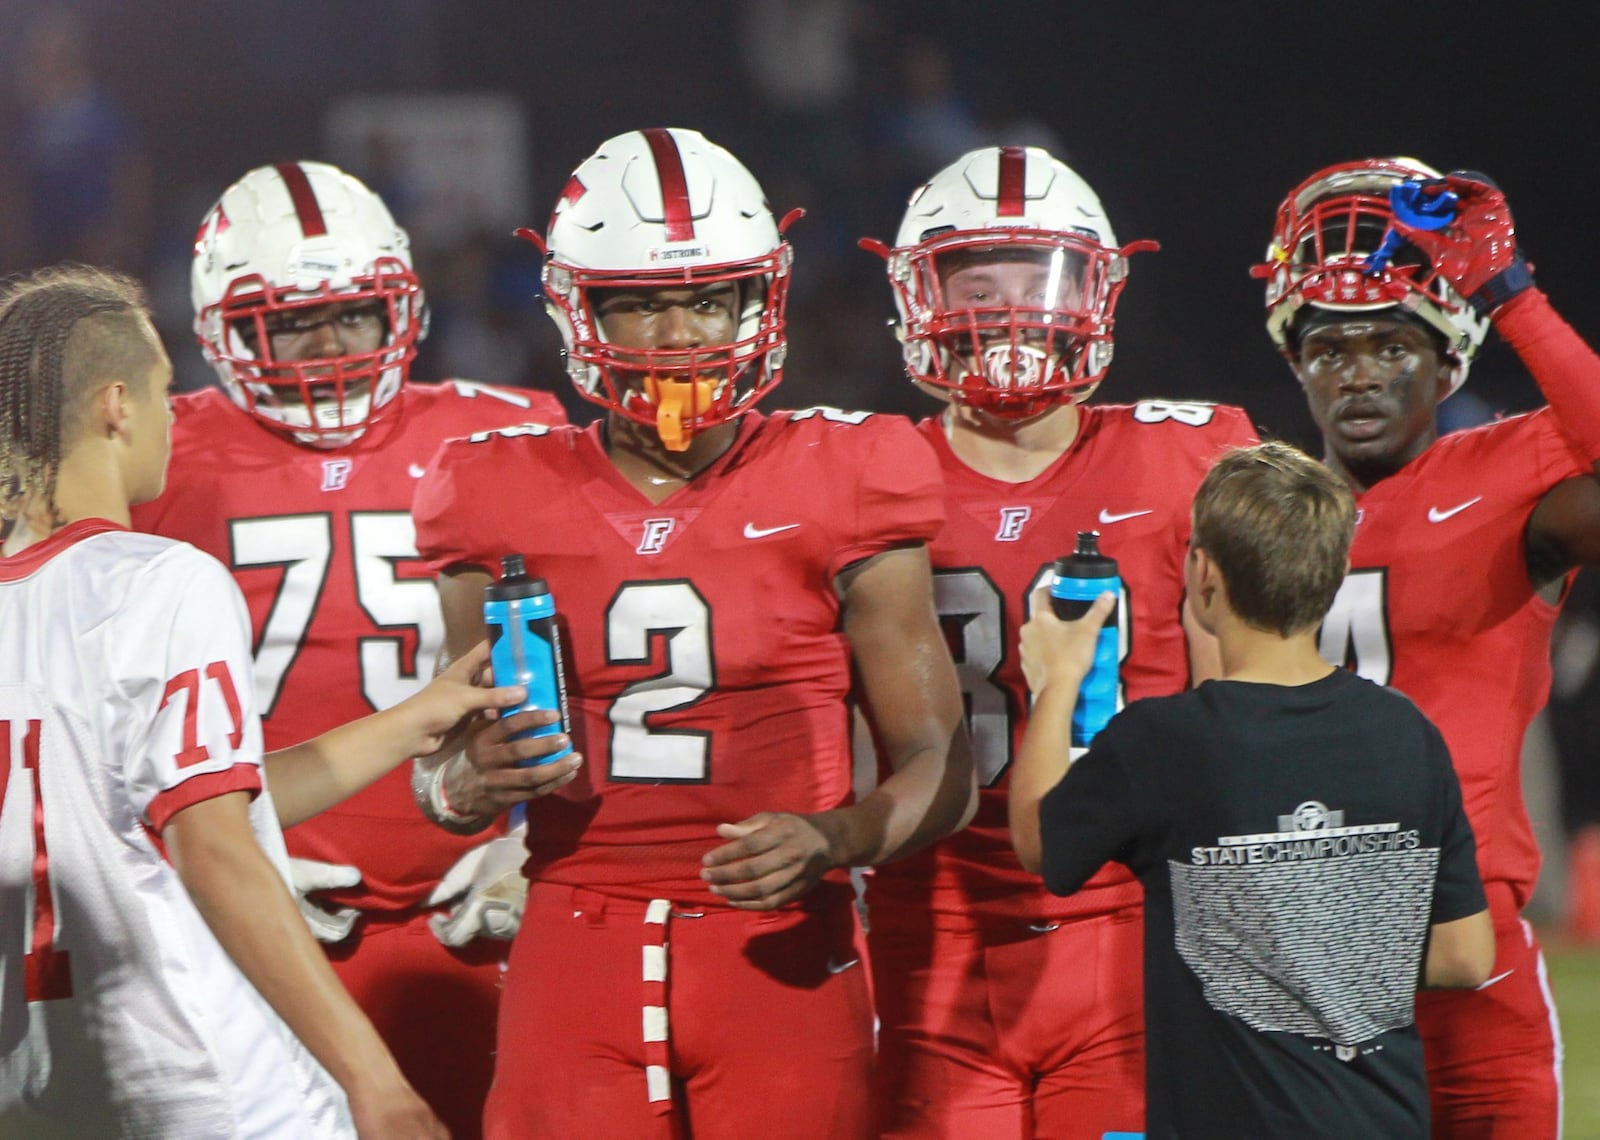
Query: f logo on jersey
x=655, y=535
x=335, y=474
x=1011, y=520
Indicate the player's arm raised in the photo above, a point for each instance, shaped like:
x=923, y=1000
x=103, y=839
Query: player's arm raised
x=910, y=686
x=243, y=900
x=463, y=790
x=1478, y=254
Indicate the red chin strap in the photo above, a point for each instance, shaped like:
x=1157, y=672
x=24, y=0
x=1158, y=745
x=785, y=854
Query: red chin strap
x=1012, y=405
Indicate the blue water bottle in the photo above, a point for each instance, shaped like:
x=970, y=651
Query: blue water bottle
x=525, y=647
x=1079, y=579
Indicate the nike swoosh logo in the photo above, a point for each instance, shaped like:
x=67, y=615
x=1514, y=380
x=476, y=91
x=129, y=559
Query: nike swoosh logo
x=417, y=470
x=1497, y=977
x=752, y=531
x=1107, y=517
x=841, y=967
x=1436, y=515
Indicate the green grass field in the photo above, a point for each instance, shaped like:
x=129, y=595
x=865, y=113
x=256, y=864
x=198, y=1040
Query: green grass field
x=1575, y=977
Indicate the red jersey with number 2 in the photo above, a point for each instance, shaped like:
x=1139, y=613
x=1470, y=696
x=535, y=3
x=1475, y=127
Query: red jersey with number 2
x=707, y=672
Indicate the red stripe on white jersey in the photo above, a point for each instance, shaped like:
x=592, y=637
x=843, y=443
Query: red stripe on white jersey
x=1013, y=180
x=674, y=184
x=304, y=199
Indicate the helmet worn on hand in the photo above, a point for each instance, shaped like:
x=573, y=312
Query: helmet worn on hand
x=1011, y=342
x=281, y=242
x=1326, y=230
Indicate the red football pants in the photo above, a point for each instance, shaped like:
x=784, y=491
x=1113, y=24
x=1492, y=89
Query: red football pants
x=1008, y=1032
x=434, y=1007
x=1494, y=1053
x=767, y=1033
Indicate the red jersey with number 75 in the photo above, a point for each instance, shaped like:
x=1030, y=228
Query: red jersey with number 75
x=344, y=614
x=707, y=672
x=1130, y=474
x=1439, y=605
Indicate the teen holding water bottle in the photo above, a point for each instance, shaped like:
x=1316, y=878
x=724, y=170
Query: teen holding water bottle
x=1298, y=832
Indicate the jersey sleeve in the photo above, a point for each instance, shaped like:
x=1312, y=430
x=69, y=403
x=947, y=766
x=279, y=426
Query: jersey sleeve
x=187, y=671
x=1564, y=366
x=449, y=507
x=1237, y=431
x=486, y=406
x=1557, y=457
x=1458, y=891
x=898, y=493
x=1092, y=817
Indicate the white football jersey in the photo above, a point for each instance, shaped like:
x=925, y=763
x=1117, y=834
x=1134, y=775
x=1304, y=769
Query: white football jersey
x=125, y=696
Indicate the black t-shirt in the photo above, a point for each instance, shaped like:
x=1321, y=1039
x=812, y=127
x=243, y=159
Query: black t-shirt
x=1295, y=844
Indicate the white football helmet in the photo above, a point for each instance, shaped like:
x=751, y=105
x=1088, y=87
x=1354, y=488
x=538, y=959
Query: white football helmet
x=1012, y=356
x=1328, y=227
x=288, y=238
x=665, y=208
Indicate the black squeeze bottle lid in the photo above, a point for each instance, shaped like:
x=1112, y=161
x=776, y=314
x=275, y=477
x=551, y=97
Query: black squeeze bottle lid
x=514, y=581
x=1086, y=561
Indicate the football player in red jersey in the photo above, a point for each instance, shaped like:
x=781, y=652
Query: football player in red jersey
x=1005, y=1011
x=719, y=573
x=298, y=475
x=1464, y=544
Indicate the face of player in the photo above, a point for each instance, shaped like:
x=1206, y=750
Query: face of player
x=1021, y=303
x=325, y=332
x=1032, y=281
x=670, y=321
x=1373, y=384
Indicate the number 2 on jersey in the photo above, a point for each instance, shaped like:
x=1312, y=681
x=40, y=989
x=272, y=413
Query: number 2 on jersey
x=641, y=612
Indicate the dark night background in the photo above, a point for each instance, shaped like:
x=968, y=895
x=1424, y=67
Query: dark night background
x=1190, y=120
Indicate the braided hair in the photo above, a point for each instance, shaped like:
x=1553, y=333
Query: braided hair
x=61, y=330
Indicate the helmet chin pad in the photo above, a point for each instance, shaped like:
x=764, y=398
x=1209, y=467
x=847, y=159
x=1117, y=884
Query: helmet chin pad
x=1014, y=381
x=679, y=406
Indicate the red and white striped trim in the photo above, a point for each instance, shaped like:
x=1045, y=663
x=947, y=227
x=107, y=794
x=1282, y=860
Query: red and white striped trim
x=1555, y=1029
x=657, y=1073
